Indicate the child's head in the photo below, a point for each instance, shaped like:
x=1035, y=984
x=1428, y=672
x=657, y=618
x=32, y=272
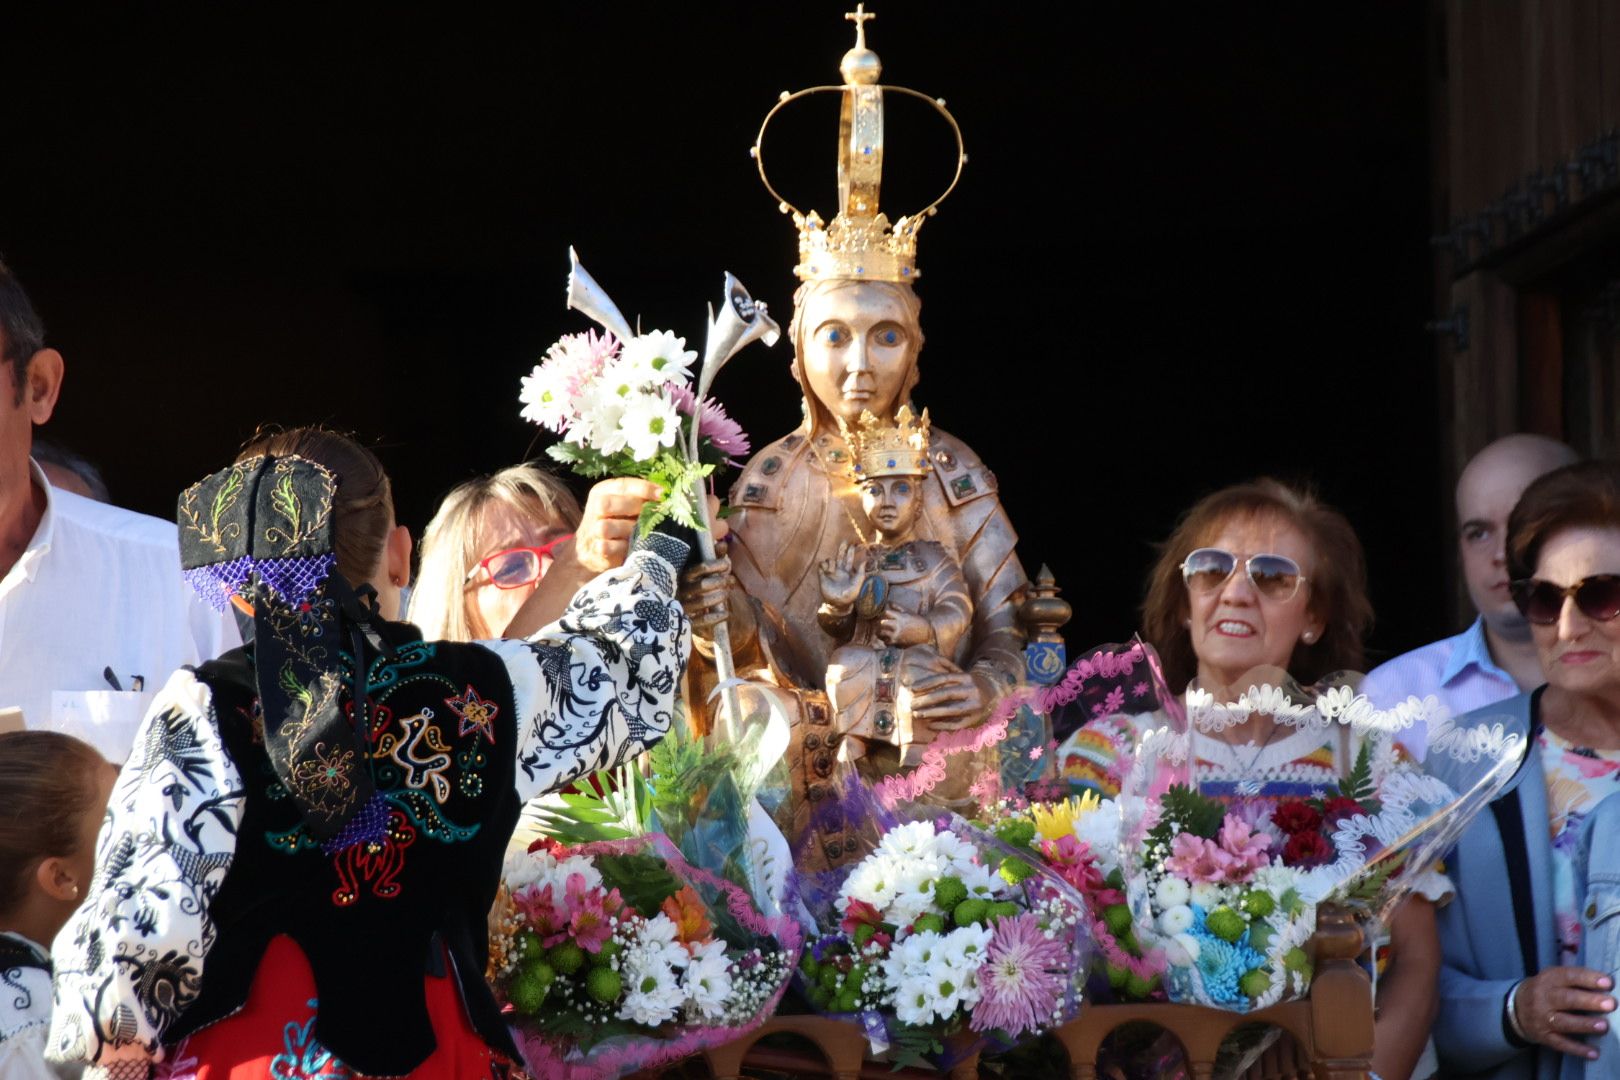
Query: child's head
x=53, y=796
x=891, y=504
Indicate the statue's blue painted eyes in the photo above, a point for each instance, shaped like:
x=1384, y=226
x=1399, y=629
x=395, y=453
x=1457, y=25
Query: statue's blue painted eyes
x=889, y=337
x=833, y=335
x=902, y=488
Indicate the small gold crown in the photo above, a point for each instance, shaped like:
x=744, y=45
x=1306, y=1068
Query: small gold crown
x=880, y=449
x=860, y=244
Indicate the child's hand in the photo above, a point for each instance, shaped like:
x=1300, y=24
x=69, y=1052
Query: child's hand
x=841, y=577
x=901, y=628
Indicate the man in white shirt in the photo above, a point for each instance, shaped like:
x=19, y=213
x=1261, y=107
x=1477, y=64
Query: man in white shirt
x=94, y=615
x=1495, y=658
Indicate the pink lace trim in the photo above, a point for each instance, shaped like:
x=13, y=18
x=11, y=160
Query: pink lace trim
x=930, y=772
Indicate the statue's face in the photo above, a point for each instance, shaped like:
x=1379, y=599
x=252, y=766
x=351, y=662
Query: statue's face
x=891, y=504
x=859, y=345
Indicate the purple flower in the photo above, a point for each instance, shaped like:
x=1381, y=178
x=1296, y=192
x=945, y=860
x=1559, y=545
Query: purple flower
x=723, y=433
x=1018, y=985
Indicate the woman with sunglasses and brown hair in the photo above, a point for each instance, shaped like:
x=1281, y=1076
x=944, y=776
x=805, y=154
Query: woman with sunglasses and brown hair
x=1520, y=988
x=1258, y=580
x=494, y=537
x=1262, y=584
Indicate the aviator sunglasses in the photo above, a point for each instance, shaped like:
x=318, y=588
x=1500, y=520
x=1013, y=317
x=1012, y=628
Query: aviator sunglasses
x=1542, y=602
x=1275, y=577
x=516, y=567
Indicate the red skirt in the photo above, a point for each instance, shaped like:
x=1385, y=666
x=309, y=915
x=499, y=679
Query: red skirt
x=273, y=1037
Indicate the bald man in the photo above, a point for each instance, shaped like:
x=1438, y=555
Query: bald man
x=1495, y=658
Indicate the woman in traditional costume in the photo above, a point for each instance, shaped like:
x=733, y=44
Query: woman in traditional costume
x=1261, y=590
x=300, y=855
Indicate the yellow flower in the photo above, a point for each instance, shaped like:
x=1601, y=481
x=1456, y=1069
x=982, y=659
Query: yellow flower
x=1056, y=820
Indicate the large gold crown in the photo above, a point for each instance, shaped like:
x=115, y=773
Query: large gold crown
x=882, y=449
x=860, y=244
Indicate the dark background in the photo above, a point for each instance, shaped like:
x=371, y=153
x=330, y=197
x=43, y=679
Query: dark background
x=1189, y=247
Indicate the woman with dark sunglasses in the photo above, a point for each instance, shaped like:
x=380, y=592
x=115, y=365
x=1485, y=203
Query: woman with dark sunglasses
x=1528, y=977
x=1263, y=585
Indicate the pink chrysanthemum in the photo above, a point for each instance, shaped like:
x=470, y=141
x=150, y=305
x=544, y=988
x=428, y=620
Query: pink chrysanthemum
x=723, y=433
x=1018, y=984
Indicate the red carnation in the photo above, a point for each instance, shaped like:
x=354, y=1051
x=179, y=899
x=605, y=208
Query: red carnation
x=1294, y=817
x=1339, y=806
x=1307, y=849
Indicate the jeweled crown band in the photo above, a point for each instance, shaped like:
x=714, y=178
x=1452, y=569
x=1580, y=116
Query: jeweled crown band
x=860, y=243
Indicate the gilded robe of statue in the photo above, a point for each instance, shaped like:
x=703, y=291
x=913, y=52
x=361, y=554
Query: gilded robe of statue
x=868, y=679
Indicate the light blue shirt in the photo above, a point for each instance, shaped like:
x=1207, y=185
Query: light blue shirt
x=1458, y=671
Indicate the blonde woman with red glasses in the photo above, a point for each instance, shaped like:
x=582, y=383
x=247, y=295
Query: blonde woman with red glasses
x=492, y=541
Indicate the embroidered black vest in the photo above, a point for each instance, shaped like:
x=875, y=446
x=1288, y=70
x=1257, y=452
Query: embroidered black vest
x=374, y=916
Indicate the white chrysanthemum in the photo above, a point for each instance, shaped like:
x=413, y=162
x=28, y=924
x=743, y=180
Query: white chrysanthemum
x=708, y=980
x=655, y=995
x=1208, y=895
x=545, y=397
x=1099, y=830
x=600, y=410
x=912, y=838
x=873, y=881
x=650, y=423
x=911, y=958
x=527, y=868
x=657, y=357
x=913, y=1000
x=956, y=851
x=1172, y=892
x=981, y=883
x=1176, y=920
x=1182, y=950
x=914, y=897
x=965, y=947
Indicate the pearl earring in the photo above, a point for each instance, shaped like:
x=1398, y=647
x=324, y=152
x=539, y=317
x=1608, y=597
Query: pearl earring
x=75, y=892
x=1309, y=637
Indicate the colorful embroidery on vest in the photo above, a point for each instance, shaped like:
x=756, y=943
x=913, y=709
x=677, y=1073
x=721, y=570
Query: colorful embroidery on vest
x=304, y=1058
x=476, y=714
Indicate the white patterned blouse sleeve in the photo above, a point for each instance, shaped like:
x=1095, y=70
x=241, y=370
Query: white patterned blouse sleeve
x=131, y=958
x=598, y=686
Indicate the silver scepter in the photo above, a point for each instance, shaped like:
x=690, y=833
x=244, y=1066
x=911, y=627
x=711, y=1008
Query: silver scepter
x=742, y=320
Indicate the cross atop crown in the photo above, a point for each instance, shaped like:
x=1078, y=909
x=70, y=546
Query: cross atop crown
x=860, y=17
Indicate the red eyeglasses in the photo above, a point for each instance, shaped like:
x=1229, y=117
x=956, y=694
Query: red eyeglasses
x=516, y=567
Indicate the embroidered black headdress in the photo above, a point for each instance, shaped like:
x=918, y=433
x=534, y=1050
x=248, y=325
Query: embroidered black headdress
x=259, y=535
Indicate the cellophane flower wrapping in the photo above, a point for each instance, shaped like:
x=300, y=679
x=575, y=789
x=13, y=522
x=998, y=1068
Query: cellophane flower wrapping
x=940, y=939
x=1077, y=836
x=948, y=935
x=1224, y=870
x=714, y=797
x=620, y=955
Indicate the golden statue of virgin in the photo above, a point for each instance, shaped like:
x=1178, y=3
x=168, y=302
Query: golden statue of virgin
x=857, y=336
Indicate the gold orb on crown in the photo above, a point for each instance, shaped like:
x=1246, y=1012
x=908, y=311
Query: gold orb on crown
x=879, y=448
x=860, y=244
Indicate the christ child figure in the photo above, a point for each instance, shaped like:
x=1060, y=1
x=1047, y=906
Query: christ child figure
x=899, y=603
